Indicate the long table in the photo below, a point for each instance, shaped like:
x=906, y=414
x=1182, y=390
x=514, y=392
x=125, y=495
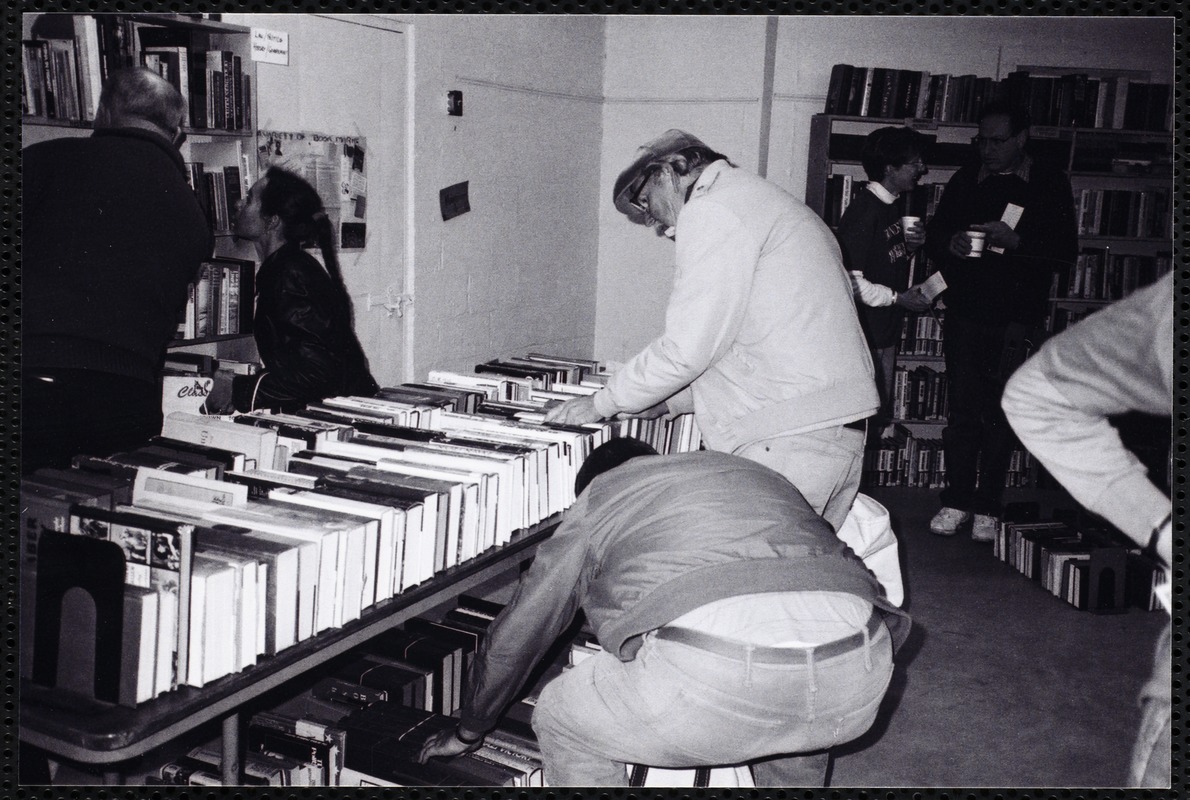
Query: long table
x=87, y=731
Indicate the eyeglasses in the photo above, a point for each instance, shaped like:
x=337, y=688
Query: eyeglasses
x=636, y=201
x=916, y=163
x=994, y=141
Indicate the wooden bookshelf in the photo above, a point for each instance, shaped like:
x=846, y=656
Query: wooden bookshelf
x=91, y=732
x=94, y=44
x=1104, y=157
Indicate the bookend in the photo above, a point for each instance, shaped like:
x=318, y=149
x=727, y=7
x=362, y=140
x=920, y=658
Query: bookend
x=79, y=602
x=1107, y=573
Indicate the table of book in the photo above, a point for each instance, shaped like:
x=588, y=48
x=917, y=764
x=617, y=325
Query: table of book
x=87, y=731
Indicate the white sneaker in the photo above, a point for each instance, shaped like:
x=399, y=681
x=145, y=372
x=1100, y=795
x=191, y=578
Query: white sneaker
x=948, y=521
x=985, y=528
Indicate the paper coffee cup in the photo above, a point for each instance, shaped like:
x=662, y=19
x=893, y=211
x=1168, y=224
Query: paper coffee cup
x=908, y=223
x=977, y=241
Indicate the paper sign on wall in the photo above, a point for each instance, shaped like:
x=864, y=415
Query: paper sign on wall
x=270, y=47
x=334, y=165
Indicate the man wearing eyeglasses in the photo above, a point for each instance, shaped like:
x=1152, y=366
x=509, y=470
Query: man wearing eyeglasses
x=761, y=337
x=877, y=247
x=995, y=303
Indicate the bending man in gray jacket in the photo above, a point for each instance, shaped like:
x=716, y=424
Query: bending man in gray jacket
x=735, y=626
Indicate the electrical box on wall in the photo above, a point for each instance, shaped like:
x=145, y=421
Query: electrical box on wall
x=454, y=103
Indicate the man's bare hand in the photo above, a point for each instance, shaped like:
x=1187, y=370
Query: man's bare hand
x=578, y=411
x=999, y=234
x=444, y=744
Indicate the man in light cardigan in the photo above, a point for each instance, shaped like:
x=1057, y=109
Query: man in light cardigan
x=762, y=341
x=1060, y=403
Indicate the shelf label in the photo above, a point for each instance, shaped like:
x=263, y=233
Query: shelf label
x=270, y=47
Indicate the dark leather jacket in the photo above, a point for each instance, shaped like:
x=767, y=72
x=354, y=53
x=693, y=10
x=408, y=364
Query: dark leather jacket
x=309, y=351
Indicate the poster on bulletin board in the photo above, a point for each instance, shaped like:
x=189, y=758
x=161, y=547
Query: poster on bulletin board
x=334, y=166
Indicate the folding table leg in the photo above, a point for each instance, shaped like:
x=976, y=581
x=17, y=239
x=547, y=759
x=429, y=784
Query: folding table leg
x=230, y=761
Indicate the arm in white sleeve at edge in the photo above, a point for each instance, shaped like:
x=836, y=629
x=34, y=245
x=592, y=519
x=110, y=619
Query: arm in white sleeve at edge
x=1117, y=360
x=875, y=295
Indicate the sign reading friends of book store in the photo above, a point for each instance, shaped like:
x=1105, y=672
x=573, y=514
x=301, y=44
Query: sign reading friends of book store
x=270, y=47
x=334, y=166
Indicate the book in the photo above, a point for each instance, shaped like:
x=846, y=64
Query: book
x=281, y=584
x=138, y=652
x=408, y=491
x=335, y=534
x=212, y=611
x=377, y=551
x=156, y=488
x=383, y=741
x=464, y=640
x=403, y=682
x=443, y=659
x=244, y=631
x=158, y=556
x=319, y=745
x=257, y=444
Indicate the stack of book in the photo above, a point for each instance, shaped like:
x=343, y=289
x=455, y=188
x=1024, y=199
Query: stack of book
x=1079, y=100
x=274, y=528
x=64, y=69
x=219, y=301
x=1087, y=566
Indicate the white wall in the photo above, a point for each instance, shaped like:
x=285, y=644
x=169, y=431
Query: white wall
x=705, y=75
x=518, y=271
x=345, y=78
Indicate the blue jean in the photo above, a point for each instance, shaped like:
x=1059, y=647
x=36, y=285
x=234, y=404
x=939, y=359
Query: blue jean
x=1151, y=755
x=676, y=706
x=824, y=465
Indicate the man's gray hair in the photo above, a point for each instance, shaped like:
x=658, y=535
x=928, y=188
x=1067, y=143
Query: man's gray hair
x=140, y=94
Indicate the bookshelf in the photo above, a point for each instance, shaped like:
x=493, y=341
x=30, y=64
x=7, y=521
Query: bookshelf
x=65, y=59
x=1108, y=130
x=90, y=732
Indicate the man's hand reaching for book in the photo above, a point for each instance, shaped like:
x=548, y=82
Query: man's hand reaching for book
x=446, y=744
x=578, y=411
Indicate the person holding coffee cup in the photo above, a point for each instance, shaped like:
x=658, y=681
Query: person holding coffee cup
x=877, y=244
x=1003, y=227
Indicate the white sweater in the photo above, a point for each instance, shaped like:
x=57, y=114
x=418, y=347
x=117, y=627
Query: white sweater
x=761, y=327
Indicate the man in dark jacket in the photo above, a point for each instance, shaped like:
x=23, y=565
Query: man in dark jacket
x=111, y=237
x=735, y=627
x=995, y=303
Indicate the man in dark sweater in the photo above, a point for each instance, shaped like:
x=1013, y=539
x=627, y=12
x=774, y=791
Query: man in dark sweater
x=995, y=304
x=111, y=237
x=735, y=626
x=877, y=249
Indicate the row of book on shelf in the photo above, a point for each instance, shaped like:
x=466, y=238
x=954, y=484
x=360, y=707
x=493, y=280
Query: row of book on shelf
x=1143, y=213
x=219, y=302
x=278, y=527
x=920, y=393
x=64, y=68
x=901, y=457
x=1099, y=274
x=363, y=722
x=1075, y=99
x=1079, y=562
x=219, y=191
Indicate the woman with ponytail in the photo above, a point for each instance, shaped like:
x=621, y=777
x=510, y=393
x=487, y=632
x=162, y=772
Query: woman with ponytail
x=303, y=320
